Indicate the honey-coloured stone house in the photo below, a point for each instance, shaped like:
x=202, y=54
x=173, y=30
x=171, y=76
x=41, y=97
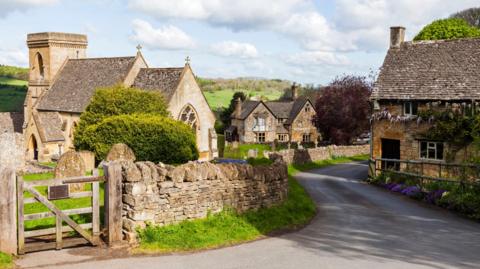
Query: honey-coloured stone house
x=266, y=122
x=62, y=81
x=418, y=76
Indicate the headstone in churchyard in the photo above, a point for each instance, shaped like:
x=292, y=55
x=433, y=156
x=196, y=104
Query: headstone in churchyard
x=120, y=152
x=71, y=164
x=252, y=153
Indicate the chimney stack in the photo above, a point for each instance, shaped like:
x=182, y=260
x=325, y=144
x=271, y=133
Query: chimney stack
x=294, y=91
x=397, y=36
x=238, y=108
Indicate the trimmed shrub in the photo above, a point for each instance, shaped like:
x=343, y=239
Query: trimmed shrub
x=151, y=137
x=118, y=100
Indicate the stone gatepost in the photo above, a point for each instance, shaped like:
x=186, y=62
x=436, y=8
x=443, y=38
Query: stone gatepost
x=8, y=211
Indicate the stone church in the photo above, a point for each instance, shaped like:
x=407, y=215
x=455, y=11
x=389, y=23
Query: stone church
x=63, y=80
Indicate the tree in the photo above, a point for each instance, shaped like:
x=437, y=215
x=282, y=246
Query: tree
x=471, y=16
x=227, y=112
x=118, y=100
x=452, y=28
x=343, y=109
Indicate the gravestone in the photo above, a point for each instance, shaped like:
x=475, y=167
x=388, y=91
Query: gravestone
x=71, y=164
x=120, y=152
x=252, y=153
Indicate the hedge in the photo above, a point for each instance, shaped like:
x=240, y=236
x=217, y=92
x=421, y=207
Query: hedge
x=152, y=138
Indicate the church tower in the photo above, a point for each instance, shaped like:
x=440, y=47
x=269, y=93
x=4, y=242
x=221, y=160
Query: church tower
x=47, y=54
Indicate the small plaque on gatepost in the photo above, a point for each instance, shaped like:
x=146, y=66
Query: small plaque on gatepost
x=58, y=192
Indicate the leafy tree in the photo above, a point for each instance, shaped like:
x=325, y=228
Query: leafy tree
x=471, y=15
x=227, y=112
x=452, y=28
x=343, y=109
x=152, y=138
x=118, y=100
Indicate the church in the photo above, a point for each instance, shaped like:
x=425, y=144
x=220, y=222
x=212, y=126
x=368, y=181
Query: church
x=62, y=81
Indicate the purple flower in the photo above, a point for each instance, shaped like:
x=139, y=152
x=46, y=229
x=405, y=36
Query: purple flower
x=411, y=191
x=433, y=196
x=397, y=188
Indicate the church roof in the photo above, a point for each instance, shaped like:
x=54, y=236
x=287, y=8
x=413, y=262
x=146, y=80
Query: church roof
x=49, y=126
x=431, y=70
x=165, y=80
x=76, y=82
x=11, y=122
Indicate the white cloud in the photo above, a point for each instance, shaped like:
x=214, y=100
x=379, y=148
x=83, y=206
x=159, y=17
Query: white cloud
x=317, y=58
x=166, y=37
x=235, y=14
x=235, y=49
x=7, y=6
x=15, y=57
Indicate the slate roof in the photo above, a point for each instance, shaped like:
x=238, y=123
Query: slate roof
x=280, y=109
x=431, y=70
x=165, y=80
x=11, y=122
x=49, y=126
x=78, y=79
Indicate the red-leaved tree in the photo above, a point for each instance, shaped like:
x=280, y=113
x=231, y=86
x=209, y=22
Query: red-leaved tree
x=343, y=109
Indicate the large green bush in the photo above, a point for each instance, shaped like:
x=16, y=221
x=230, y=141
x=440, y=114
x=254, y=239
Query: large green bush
x=152, y=138
x=452, y=28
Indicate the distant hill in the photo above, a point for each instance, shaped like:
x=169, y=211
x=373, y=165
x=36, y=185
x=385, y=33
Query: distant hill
x=13, y=88
x=219, y=92
x=14, y=72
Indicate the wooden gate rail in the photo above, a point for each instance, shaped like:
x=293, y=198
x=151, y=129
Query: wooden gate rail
x=60, y=215
x=380, y=165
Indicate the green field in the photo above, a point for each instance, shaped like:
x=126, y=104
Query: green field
x=13, y=81
x=221, y=98
x=12, y=98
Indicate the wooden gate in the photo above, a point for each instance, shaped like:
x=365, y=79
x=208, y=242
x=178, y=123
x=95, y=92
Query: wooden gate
x=58, y=189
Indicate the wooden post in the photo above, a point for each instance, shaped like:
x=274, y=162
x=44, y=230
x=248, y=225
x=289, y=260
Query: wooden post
x=59, y=232
x=113, y=203
x=20, y=216
x=8, y=211
x=95, y=207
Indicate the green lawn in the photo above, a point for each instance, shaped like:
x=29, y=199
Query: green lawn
x=12, y=98
x=242, y=151
x=221, y=98
x=13, y=81
x=6, y=261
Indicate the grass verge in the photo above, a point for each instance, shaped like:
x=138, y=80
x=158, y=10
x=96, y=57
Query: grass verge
x=6, y=261
x=228, y=227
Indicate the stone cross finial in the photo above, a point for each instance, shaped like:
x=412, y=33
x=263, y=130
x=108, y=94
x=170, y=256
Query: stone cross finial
x=139, y=47
x=187, y=60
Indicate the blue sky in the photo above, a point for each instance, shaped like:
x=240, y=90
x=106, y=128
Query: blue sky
x=300, y=40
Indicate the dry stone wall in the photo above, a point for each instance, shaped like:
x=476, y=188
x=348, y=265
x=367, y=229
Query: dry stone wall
x=162, y=194
x=301, y=156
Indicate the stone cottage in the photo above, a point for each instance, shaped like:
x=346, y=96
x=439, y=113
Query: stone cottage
x=415, y=77
x=265, y=122
x=63, y=80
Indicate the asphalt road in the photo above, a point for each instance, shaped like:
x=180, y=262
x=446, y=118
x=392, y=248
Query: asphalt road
x=357, y=226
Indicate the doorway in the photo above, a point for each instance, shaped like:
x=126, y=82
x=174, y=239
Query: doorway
x=390, y=150
x=33, y=148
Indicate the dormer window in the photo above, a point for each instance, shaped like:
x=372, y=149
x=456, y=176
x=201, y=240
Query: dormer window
x=410, y=108
x=307, y=108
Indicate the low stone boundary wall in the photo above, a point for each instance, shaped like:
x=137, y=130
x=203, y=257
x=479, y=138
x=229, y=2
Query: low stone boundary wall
x=301, y=156
x=162, y=194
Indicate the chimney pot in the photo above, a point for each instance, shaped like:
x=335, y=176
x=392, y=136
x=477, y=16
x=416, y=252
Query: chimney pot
x=238, y=108
x=294, y=91
x=397, y=36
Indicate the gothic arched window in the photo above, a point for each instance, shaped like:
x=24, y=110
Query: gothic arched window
x=189, y=116
x=39, y=65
